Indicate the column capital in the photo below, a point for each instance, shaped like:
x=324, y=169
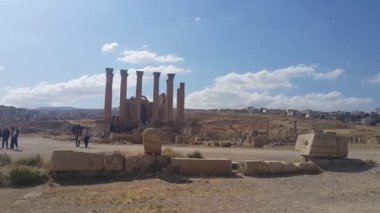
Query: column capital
x=171, y=76
x=156, y=74
x=109, y=71
x=124, y=72
x=139, y=73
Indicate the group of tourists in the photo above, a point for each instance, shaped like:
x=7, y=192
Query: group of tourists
x=5, y=134
x=78, y=132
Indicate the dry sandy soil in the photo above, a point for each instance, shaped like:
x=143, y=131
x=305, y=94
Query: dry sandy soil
x=347, y=190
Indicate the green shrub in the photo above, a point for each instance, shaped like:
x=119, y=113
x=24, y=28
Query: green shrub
x=171, y=153
x=195, y=154
x=20, y=176
x=35, y=161
x=5, y=159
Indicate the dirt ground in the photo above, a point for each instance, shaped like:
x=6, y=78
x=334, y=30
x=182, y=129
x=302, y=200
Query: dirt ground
x=350, y=190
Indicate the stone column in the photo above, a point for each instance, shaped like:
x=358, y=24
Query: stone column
x=169, y=98
x=108, y=101
x=156, y=96
x=138, y=96
x=123, y=95
x=181, y=103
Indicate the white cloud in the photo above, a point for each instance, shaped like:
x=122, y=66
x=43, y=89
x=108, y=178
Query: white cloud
x=266, y=80
x=146, y=57
x=77, y=92
x=253, y=89
x=197, y=19
x=110, y=47
x=2, y=68
x=145, y=46
x=375, y=79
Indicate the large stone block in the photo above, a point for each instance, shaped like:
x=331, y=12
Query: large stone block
x=320, y=145
x=199, y=167
x=253, y=167
x=114, y=162
x=275, y=167
x=76, y=161
x=288, y=167
x=153, y=138
x=307, y=167
x=142, y=164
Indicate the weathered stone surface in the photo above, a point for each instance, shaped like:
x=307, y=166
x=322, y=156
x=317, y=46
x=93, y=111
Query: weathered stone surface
x=136, y=138
x=307, y=167
x=288, y=167
x=153, y=138
x=275, y=167
x=196, y=167
x=114, y=162
x=303, y=141
x=146, y=164
x=76, y=161
x=321, y=145
x=253, y=167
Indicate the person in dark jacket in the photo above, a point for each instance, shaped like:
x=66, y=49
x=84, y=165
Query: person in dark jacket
x=77, y=131
x=14, y=137
x=5, y=136
x=86, y=137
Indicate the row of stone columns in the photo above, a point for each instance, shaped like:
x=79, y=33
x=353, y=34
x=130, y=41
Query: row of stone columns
x=137, y=107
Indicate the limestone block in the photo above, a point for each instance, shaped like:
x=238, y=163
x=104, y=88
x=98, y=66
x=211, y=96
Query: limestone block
x=275, y=167
x=114, y=162
x=288, y=167
x=153, y=138
x=342, y=147
x=76, y=161
x=142, y=164
x=303, y=141
x=321, y=145
x=307, y=167
x=132, y=164
x=136, y=138
x=162, y=161
x=196, y=167
x=253, y=167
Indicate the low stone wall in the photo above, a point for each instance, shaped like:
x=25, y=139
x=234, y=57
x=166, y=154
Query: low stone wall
x=259, y=167
x=76, y=161
x=201, y=167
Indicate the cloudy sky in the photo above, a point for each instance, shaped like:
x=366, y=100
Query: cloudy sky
x=231, y=54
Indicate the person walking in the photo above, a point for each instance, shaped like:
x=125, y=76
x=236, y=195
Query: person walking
x=13, y=133
x=86, y=137
x=77, y=131
x=5, y=136
x=15, y=136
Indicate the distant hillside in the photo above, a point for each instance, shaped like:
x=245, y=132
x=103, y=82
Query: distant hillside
x=64, y=108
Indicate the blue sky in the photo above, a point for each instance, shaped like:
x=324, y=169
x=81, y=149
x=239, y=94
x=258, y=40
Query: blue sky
x=279, y=54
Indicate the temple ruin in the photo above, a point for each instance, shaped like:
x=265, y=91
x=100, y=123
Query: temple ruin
x=138, y=110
